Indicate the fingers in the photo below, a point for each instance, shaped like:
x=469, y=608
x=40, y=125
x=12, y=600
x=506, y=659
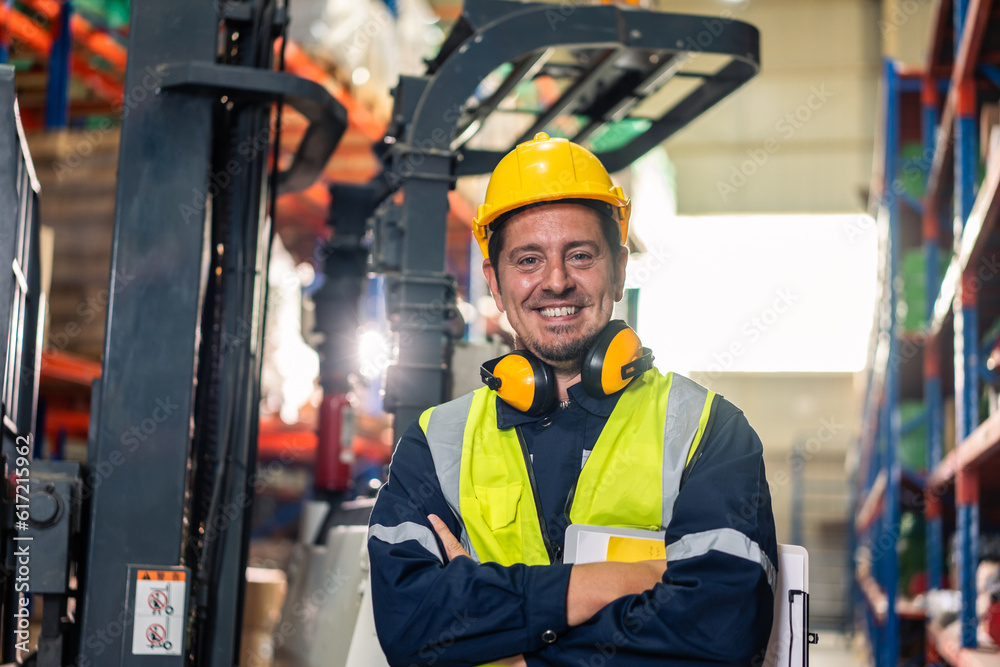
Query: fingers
x=452, y=547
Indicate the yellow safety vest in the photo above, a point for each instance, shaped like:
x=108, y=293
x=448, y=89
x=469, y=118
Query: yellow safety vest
x=630, y=480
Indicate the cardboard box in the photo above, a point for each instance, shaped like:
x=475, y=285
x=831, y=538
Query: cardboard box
x=256, y=648
x=265, y=595
x=989, y=117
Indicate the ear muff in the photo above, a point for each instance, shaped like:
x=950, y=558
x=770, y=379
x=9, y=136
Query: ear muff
x=522, y=380
x=614, y=359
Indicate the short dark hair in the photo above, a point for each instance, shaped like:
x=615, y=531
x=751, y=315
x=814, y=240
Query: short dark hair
x=610, y=228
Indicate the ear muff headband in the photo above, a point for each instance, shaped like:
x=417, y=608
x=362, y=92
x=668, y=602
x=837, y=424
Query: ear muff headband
x=614, y=358
x=527, y=383
x=522, y=380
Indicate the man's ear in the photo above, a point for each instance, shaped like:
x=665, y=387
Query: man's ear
x=491, y=280
x=620, y=263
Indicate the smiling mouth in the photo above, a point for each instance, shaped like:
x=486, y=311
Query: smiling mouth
x=559, y=312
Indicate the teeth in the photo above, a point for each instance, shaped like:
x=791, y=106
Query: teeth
x=559, y=312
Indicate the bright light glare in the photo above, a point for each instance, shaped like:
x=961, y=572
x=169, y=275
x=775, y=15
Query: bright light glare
x=306, y=273
x=782, y=293
x=360, y=76
x=373, y=353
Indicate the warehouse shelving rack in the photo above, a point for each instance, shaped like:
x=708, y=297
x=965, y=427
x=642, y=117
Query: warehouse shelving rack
x=883, y=487
x=962, y=306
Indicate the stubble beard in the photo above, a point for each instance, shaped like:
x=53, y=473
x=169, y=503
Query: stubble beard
x=566, y=353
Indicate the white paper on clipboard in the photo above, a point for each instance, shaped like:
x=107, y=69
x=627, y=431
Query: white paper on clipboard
x=788, y=644
x=592, y=544
x=789, y=632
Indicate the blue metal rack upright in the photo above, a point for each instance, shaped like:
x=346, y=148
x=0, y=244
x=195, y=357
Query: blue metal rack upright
x=963, y=300
x=933, y=392
x=889, y=653
x=960, y=214
x=879, y=475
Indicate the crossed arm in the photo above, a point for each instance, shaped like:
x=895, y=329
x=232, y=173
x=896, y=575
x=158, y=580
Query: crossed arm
x=713, y=605
x=592, y=586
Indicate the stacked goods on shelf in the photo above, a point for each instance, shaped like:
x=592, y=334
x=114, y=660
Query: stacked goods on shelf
x=912, y=175
x=989, y=134
x=912, y=564
x=947, y=211
x=913, y=289
x=913, y=440
x=889, y=563
x=990, y=344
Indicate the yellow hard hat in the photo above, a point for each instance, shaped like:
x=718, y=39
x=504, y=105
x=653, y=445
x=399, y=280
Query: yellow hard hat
x=546, y=169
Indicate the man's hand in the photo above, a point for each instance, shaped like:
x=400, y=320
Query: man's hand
x=452, y=547
x=592, y=586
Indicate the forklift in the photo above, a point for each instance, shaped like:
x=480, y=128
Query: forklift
x=138, y=557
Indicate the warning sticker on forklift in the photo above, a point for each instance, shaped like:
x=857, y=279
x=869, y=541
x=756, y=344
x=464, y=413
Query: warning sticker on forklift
x=158, y=627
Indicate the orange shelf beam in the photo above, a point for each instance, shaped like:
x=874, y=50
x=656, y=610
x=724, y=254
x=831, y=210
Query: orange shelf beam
x=276, y=440
x=874, y=596
x=949, y=646
x=981, y=445
x=24, y=30
x=38, y=39
x=93, y=39
x=58, y=365
x=871, y=509
x=976, y=19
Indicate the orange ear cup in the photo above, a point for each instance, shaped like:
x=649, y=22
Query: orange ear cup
x=614, y=359
x=527, y=383
x=522, y=380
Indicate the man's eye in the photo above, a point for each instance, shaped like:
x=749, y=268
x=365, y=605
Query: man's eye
x=581, y=257
x=528, y=260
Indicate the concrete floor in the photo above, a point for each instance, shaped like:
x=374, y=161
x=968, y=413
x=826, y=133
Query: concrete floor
x=834, y=650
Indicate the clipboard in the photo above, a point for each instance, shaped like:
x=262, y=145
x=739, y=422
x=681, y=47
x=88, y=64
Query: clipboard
x=597, y=544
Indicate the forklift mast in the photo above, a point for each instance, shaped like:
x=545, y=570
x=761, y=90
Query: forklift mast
x=154, y=531
x=628, y=79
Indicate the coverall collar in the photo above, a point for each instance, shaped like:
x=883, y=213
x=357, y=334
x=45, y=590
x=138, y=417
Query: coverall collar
x=509, y=417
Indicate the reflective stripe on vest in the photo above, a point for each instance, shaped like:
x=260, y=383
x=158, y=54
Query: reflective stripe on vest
x=631, y=479
x=445, y=427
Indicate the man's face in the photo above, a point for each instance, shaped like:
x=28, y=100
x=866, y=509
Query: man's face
x=557, y=280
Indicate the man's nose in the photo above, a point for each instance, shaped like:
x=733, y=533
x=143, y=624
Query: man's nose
x=557, y=279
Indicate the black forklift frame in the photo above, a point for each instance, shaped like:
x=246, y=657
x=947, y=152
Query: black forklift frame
x=427, y=148
x=172, y=453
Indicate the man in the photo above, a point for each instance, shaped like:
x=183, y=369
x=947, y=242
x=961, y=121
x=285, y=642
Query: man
x=466, y=537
